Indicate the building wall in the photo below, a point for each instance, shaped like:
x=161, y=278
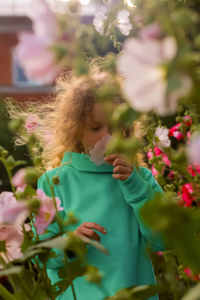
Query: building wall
x=9, y=28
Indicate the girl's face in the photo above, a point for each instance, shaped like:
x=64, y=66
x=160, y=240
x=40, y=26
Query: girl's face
x=95, y=128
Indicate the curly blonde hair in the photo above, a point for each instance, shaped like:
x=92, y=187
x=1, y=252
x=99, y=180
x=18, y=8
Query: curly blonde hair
x=63, y=114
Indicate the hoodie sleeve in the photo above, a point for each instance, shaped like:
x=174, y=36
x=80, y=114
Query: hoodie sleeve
x=139, y=188
x=51, y=230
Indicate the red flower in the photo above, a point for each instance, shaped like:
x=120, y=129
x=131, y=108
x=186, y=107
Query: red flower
x=186, y=194
x=175, y=132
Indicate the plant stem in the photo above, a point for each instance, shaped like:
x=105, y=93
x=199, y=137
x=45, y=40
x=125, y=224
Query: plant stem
x=9, y=173
x=73, y=291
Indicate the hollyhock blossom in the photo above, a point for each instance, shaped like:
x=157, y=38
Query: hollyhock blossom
x=31, y=123
x=174, y=131
x=193, y=149
x=44, y=19
x=13, y=238
x=149, y=32
x=154, y=171
x=194, y=170
x=99, y=21
x=11, y=210
x=189, y=272
x=34, y=51
x=97, y=153
x=186, y=194
x=145, y=84
x=36, y=57
x=46, y=212
x=18, y=178
x=123, y=22
x=161, y=138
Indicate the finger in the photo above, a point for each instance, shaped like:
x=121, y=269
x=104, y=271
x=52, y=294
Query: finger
x=119, y=161
x=121, y=170
x=91, y=234
x=120, y=176
x=95, y=226
x=112, y=157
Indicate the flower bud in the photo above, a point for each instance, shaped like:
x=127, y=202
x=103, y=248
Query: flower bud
x=56, y=180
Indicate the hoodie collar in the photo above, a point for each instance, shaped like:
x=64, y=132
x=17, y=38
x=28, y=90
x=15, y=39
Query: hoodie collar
x=82, y=162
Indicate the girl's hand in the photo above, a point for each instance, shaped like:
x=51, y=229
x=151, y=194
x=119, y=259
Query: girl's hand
x=122, y=168
x=85, y=229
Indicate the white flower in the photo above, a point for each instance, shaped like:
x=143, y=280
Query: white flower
x=161, y=138
x=123, y=22
x=144, y=79
x=97, y=153
x=193, y=149
x=98, y=21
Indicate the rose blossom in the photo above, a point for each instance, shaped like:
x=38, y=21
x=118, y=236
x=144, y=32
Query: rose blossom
x=46, y=212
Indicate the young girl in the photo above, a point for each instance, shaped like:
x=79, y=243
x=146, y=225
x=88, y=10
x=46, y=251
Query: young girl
x=105, y=198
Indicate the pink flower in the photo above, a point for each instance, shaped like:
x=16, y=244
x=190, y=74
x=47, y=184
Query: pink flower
x=186, y=194
x=150, y=154
x=174, y=131
x=11, y=210
x=171, y=175
x=36, y=58
x=31, y=123
x=44, y=19
x=154, y=170
x=193, y=149
x=13, y=238
x=157, y=151
x=97, y=153
x=145, y=84
x=18, y=178
x=160, y=253
x=189, y=272
x=194, y=170
x=152, y=31
x=188, y=121
x=46, y=212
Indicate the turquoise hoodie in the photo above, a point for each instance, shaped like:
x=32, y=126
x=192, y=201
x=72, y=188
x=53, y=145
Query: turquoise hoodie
x=93, y=195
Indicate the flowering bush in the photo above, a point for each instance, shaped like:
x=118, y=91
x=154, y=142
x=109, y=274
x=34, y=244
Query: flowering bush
x=156, y=57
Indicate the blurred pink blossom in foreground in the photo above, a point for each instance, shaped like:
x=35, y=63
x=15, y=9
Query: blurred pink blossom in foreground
x=46, y=212
x=97, y=153
x=34, y=51
x=11, y=210
x=18, y=178
x=193, y=150
x=13, y=238
x=145, y=85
